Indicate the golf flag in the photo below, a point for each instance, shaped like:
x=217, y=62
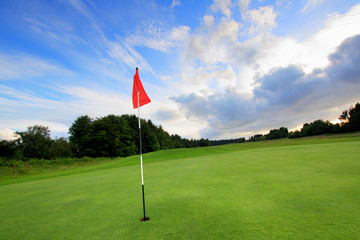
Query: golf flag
x=140, y=98
x=138, y=88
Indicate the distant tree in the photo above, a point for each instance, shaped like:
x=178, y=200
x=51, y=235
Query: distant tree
x=78, y=131
x=277, y=133
x=354, y=118
x=150, y=142
x=177, y=141
x=204, y=142
x=226, y=141
x=163, y=138
x=257, y=137
x=294, y=134
x=336, y=128
x=133, y=123
x=7, y=148
x=60, y=148
x=344, y=116
x=317, y=127
x=35, y=142
x=350, y=119
x=109, y=136
x=192, y=143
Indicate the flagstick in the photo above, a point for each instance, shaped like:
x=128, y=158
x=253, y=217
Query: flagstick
x=141, y=162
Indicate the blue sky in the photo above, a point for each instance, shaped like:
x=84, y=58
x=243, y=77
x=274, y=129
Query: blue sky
x=213, y=69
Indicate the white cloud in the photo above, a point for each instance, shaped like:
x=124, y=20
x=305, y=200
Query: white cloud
x=337, y=28
x=311, y=53
x=218, y=44
x=21, y=66
x=175, y=3
x=124, y=54
x=223, y=6
x=243, y=4
x=263, y=19
x=80, y=7
x=227, y=71
x=57, y=129
x=93, y=44
x=211, y=44
x=22, y=109
x=208, y=20
x=219, y=78
x=7, y=134
x=311, y=5
x=283, y=97
x=97, y=102
x=156, y=37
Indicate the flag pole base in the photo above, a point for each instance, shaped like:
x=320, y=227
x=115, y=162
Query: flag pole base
x=145, y=219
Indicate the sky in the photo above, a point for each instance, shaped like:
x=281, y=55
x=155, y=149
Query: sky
x=216, y=69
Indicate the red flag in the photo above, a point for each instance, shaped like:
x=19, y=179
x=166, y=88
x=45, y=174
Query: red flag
x=138, y=87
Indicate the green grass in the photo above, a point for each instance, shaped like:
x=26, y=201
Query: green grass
x=284, y=189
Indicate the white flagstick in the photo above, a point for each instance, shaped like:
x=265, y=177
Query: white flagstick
x=141, y=162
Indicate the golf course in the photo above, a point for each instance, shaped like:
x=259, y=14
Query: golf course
x=279, y=189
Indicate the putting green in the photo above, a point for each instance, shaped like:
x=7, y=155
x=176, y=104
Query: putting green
x=282, y=191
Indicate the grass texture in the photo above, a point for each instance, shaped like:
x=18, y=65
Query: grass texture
x=282, y=189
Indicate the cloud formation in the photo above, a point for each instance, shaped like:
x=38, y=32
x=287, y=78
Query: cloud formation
x=157, y=37
x=282, y=97
x=26, y=66
x=223, y=6
x=311, y=4
x=262, y=19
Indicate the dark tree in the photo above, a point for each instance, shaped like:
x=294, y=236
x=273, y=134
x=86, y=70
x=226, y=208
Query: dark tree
x=60, y=148
x=150, y=142
x=257, y=137
x=317, y=127
x=204, y=142
x=78, y=131
x=295, y=134
x=354, y=118
x=35, y=142
x=163, y=138
x=109, y=136
x=344, y=116
x=7, y=148
x=176, y=139
x=277, y=133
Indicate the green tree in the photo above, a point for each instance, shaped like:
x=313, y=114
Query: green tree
x=78, y=131
x=354, y=118
x=294, y=134
x=277, y=133
x=163, y=138
x=344, y=116
x=204, y=142
x=257, y=137
x=60, y=148
x=7, y=148
x=176, y=139
x=350, y=119
x=109, y=136
x=35, y=142
x=317, y=127
x=150, y=142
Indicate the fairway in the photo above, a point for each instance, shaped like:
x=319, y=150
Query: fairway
x=284, y=189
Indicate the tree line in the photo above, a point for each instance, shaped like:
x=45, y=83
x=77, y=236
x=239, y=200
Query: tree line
x=350, y=122
x=118, y=136
x=109, y=136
